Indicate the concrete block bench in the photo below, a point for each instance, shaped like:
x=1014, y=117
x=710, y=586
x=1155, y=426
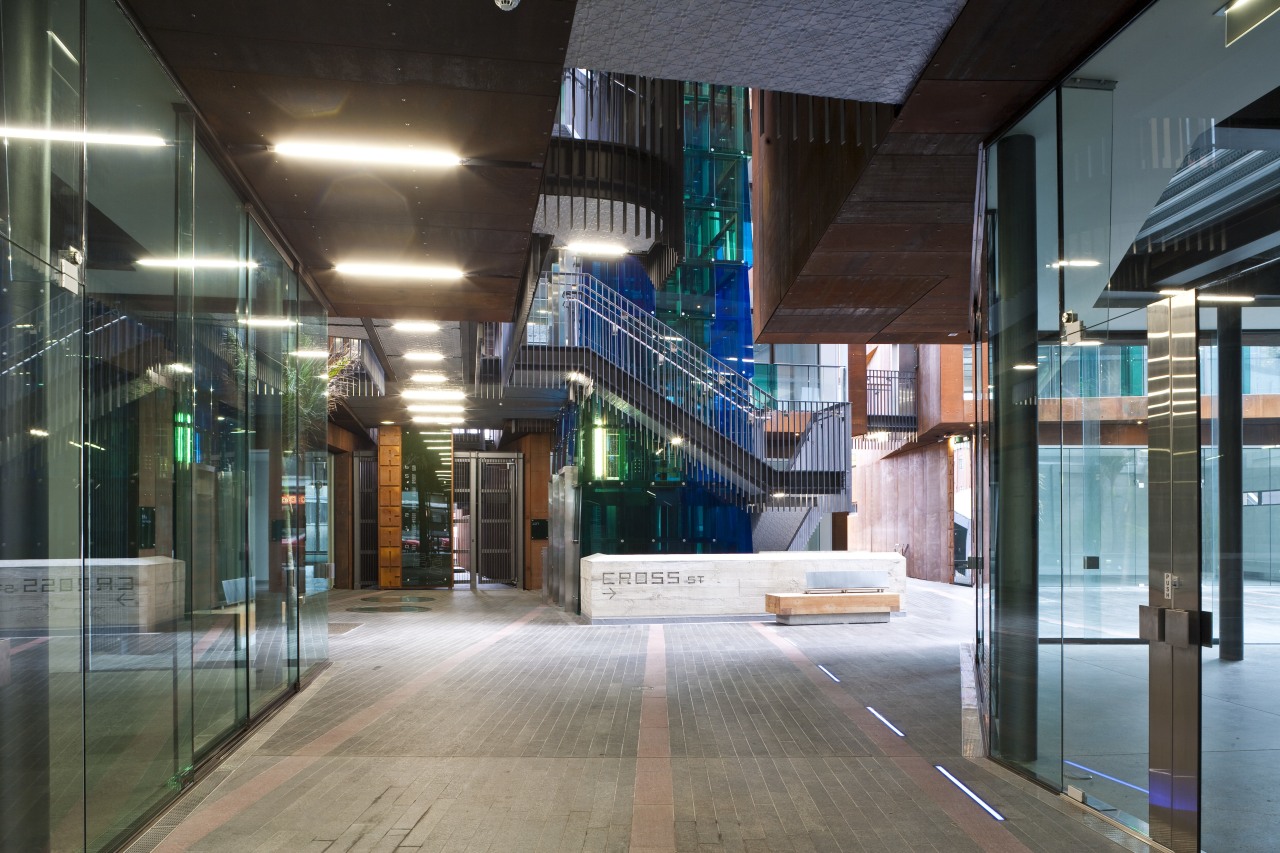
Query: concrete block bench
x=836, y=597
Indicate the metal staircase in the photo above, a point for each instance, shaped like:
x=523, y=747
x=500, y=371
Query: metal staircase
x=766, y=455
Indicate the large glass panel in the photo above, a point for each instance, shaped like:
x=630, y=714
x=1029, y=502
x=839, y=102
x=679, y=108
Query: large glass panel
x=307, y=492
x=41, y=436
x=218, y=461
x=1025, y=441
x=139, y=378
x=1103, y=509
x=272, y=336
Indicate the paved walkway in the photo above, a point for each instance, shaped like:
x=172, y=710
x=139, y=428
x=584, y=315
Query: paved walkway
x=492, y=723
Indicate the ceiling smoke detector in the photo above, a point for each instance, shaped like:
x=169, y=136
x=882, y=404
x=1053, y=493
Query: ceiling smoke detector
x=506, y=5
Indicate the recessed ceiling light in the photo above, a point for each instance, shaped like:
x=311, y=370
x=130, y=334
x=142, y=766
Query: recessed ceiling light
x=415, y=326
x=268, y=322
x=388, y=423
x=432, y=394
x=1024, y=367
x=424, y=356
x=371, y=155
x=310, y=353
x=601, y=250
x=1074, y=262
x=421, y=272
x=437, y=407
x=45, y=134
x=429, y=378
x=436, y=419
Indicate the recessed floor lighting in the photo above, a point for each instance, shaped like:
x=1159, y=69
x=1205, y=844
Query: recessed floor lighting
x=371, y=155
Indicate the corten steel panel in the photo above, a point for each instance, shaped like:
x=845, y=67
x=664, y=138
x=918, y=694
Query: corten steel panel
x=995, y=59
x=857, y=392
x=460, y=75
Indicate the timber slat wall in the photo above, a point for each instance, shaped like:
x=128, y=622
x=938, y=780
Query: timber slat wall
x=389, y=521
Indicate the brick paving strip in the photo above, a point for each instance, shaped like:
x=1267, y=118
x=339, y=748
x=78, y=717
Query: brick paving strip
x=653, y=811
x=987, y=833
x=215, y=814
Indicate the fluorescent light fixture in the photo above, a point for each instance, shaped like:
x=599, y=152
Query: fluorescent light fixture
x=39, y=433
x=197, y=263
x=421, y=272
x=779, y=494
x=415, y=326
x=677, y=440
x=268, y=322
x=897, y=731
x=1024, y=367
x=1172, y=292
x=599, y=250
x=436, y=419
x=447, y=408
x=179, y=367
x=829, y=673
x=429, y=378
x=310, y=353
x=370, y=155
x=45, y=134
x=963, y=787
x=672, y=338
x=1223, y=297
x=432, y=394
x=1074, y=262
x=424, y=356
x=1088, y=342
x=388, y=423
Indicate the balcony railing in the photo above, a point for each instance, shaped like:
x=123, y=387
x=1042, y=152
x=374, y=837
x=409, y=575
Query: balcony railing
x=891, y=401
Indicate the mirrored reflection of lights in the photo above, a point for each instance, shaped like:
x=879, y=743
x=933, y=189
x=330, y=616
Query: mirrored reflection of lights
x=268, y=322
x=1074, y=262
x=599, y=250
x=424, y=356
x=432, y=394
x=447, y=408
x=677, y=440
x=1223, y=297
x=45, y=134
x=370, y=155
x=421, y=272
x=429, y=378
x=415, y=326
x=197, y=263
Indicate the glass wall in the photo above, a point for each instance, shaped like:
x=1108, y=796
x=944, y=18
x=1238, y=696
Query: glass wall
x=158, y=437
x=1133, y=235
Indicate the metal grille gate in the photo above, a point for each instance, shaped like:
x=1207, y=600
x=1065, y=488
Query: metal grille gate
x=488, y=516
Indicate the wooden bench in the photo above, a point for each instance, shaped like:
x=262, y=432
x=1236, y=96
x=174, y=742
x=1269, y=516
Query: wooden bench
x=835, y=597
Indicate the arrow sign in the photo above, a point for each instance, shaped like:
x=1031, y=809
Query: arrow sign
x=612, y=592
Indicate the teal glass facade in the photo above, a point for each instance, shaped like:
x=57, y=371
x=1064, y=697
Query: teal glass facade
x=1126, y=617
x=163, y=460
x=639, y=495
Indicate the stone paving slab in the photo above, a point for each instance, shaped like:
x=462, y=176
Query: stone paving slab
x=493, y=723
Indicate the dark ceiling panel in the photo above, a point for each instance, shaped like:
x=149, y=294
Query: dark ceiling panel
x=893, y=265
x=460, y=75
